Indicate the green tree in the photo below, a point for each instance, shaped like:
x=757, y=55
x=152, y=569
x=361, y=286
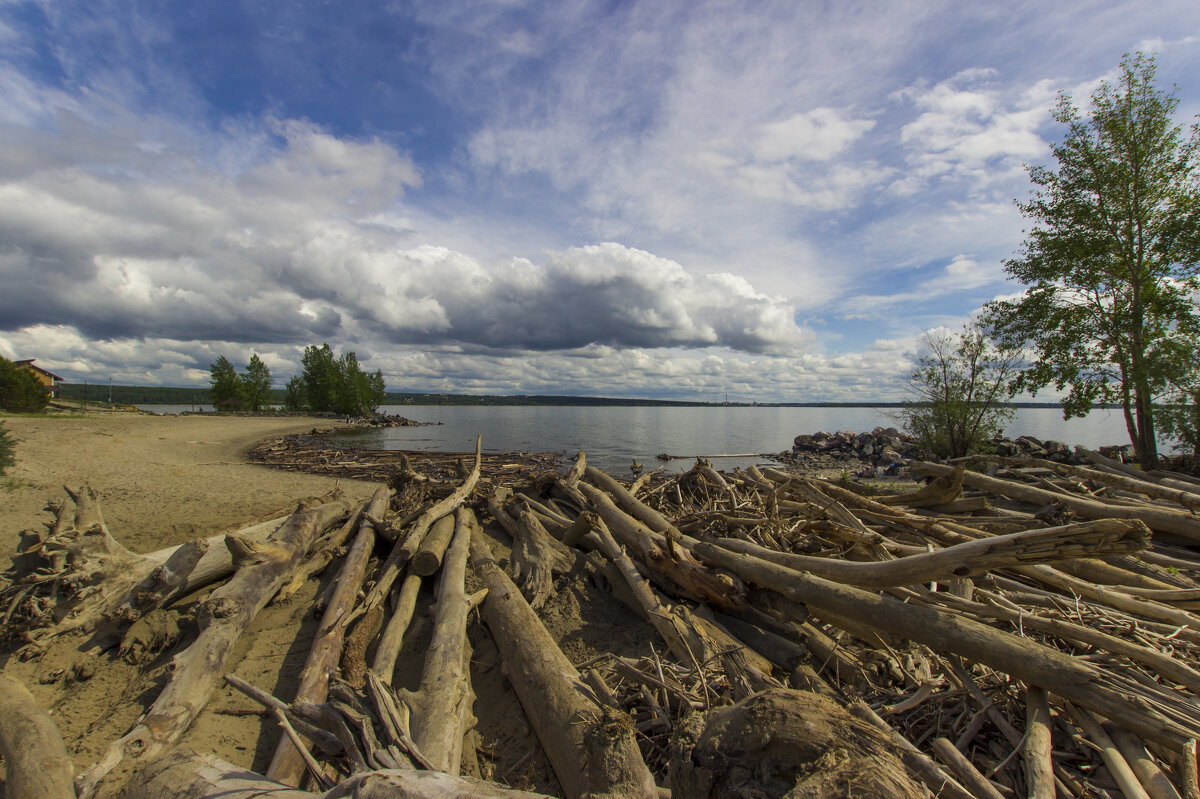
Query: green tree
x=256, y=385
x=20, y=391
x=376, y=390
x=295, y=398
x=333, y=384
x=1111, y=262
x=7, y=445
x=224, y=381
x=959, y=387
x=1177, y=412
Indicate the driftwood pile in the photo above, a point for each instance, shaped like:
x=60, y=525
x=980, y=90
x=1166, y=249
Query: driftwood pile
x=1025, y=630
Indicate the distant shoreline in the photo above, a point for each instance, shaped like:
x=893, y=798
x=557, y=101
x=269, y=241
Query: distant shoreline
x=171, y=395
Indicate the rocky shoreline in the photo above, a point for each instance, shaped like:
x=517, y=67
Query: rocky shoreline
x=887, y=451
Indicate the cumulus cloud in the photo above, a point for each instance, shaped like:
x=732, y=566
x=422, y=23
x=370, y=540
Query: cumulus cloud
x=301, y=236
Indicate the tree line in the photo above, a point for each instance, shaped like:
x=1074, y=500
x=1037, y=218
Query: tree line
x=1110, y=312
x=326, y=384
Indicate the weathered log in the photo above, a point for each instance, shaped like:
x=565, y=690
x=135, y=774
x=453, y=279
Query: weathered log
x=1097, y=538
x=1139, y=485
x=36, y=761
x=938, y=491
x=428, y=557
x=262, y=570
x=287, y=765
x=662, y=556
x=1164, y=720
x=966, y=772
x=326, y=549
x=938, y=781
x=406, y=547
x=100, y=581
x=785, y=742
x=630, y=504
x=536, y=557
x=591, y=748
x=693, y=639
x=387, y=651
x=440, y=710
x=183, y=774
x=1039, y=765
x=1166, y=520
x=1117, y=766
x=1151, y=777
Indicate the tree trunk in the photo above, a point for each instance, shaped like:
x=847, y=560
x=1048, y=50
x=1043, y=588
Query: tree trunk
x=1165, y=720
x=592, y=750
x=287, y=766
x=262, y=570
x=183, y=774
x=441, y=708
x=1160, y=519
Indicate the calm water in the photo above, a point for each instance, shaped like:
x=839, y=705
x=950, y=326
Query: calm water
x=613, y=437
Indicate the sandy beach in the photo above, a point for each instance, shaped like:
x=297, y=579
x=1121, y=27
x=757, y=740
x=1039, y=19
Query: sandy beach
x=163, y=480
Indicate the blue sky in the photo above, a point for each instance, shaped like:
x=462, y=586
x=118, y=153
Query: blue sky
x=663, y=198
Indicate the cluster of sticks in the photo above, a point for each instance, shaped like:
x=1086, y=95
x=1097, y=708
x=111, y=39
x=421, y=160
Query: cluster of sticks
x=973, y=620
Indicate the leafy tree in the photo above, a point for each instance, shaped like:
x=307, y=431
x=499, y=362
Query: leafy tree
x=1177, y=414
x=20, y=391
x=1111, y=262
x=334, y=384
x=256, y=385
x=959, y=387
x=376, y=390
x=294, y=395
x=7, y=445
x=224, y=381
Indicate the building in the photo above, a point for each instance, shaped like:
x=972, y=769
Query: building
x=46, y=378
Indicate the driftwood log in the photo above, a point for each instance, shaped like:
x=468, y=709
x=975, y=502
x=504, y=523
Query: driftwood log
x=261, y=572
x=287, y=765
x=36, y=761
x=440, y=708
x=183, y=774
x=591, y=748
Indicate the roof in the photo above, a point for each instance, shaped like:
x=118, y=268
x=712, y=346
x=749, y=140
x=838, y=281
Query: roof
x=29, y=362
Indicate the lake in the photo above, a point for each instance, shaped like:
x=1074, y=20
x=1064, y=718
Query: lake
x=614, y=436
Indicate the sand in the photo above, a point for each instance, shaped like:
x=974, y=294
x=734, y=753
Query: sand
x=163, y=480
x=166, y=480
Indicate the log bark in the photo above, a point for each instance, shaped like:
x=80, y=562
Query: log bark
x=36, y=761
x=592, y=750
x=536, y=556
x=262, y=570
x=388, y=649
x=1112, y=757
x=1039, y=766
x=101, y=583
x=440, y=710
x=428, y=557
x=1098, y=539
x=406, y=547
x=661, y=555
x=1165, y=520
x=1165, y=720
x=1151, y=777
x=287, y=765
x=183, y=774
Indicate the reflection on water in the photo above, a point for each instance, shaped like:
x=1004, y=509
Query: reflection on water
x=615, y=436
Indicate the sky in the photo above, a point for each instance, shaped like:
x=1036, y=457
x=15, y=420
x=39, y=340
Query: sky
x=664, y=199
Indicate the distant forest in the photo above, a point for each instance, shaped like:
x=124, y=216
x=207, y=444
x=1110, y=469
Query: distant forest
x=170, y=395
